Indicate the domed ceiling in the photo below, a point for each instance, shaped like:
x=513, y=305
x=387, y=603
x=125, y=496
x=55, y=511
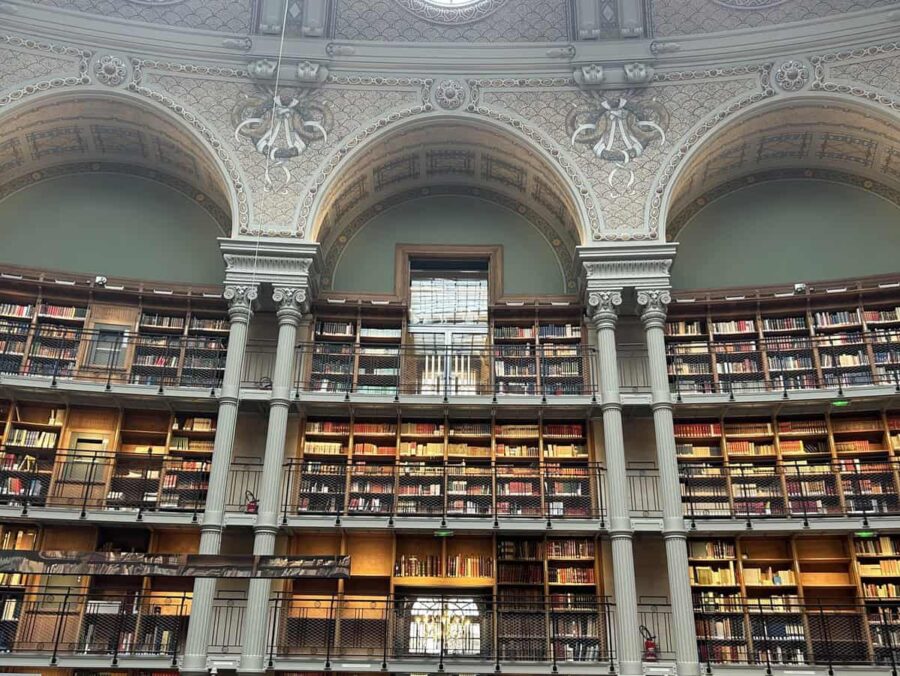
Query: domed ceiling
x=467, y=20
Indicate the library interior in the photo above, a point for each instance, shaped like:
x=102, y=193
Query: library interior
x=453, y=337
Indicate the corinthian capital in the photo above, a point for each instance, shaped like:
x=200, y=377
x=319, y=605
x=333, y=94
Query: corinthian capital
x=603, y=307
x=240, y=299
x=291, y=301
x=654, y=305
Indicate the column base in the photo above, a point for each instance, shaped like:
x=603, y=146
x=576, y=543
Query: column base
x=688, y=668
x=631, y=668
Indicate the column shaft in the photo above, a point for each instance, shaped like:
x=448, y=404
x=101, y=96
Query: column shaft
x=628, y=637
x=240, y=300
x=266, y=528
x=654, y=314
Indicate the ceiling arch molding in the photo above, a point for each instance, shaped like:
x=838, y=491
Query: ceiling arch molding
x=98, y=128
x=814, y=131
x=315, y=217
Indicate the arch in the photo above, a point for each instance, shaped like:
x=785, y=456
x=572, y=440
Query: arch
x=572, y=186
x=440, y=153
x=59, y=135
x=788, y=135
x=222, y=182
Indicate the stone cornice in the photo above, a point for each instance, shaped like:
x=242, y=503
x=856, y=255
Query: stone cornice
x=282, y=263
x=674, y=53
x=639, y=266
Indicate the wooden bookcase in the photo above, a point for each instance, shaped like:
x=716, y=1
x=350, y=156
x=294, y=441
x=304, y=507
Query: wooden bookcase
x=803, y=465
x=446, y=465
x=778, y=600
x=843, y=338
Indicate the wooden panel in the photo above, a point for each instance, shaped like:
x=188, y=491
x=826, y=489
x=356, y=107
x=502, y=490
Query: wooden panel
x=93, y=419
x=147, y=421
x=317, y=544
x=370, y=555
x=103, y=313
x=821, y=548
x=80, y=539
x=177, y=542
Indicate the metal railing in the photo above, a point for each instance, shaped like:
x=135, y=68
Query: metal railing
x=62, y=621
x=786, y=363
x=782, y=630
x=59, y=353
x=435, y=627
x=75, y=479
x=447, y=371
x=470, y=490
x=802, y=490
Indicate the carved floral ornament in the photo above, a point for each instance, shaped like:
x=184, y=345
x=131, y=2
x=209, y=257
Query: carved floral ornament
x=453, y=11
x=792, y=75
x=111, y=70
x=618, y=130
x=289, y=298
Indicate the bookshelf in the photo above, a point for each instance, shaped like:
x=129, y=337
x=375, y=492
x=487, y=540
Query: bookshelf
x=56, y=339
x=15, y=321
x=784, y=343
x=184, y=484
x=158, y=350
x=778, y=600
x=203, y=359
x=792, y=464
x=32, y=435
x=140, y=459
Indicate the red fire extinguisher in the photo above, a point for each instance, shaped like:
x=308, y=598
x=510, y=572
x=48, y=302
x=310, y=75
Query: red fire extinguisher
x=252, y=503
x=650, y=654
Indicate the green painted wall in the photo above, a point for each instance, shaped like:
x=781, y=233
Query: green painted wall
x=367, y=264
x=788, y=231
x=111, y=224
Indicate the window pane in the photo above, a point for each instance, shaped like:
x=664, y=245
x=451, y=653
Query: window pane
x=448, y=297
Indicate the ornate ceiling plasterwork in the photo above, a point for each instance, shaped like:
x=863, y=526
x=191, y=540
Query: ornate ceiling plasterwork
x=85, y=130
x=473, y=10
x=449, y=158
x=688, y=17
x=792, y=135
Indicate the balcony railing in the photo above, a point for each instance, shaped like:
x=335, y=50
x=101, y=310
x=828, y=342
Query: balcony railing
x=474, y=491
x=526, y=370
x=434, y=628
x=59, y=622
x=784, y=631
x=61, y=353
x=786, y=363
x=849, y=487
x=90, y=480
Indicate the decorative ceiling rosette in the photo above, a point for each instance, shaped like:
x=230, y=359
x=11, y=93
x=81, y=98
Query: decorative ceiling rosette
x=749, y=4
x=437, y=11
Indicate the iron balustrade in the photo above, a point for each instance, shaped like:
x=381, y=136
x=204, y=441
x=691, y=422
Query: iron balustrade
x=801, y=490
x=76, y=479
x=786, y=363
x=781, y=630
x=447, y=371
x=434, y=626
x=61, y=353
x=468, y=490
x=58, y=622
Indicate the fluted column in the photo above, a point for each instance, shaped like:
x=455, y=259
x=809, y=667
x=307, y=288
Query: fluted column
x=290, y=302
x=603, y=307
x=653, y=304
x=240, y=301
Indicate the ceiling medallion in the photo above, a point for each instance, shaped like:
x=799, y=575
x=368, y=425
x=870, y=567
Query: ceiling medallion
x=450, y=94
x=792, y=75
x=749, y=4
x=448, y=12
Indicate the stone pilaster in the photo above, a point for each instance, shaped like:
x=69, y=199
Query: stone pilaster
x=291, y=302
x=653, y=304
x=603, y=308
x=240, y=309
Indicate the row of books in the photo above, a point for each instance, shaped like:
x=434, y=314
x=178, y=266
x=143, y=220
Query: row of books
x=884, y=568
x=768, y=576
x=62, y=311
x=195, y=424
x=711, y=549
x=208, y=324
x=470, y=565
x=375, y=332
x=21, y=539
x=335, y=328
x=734, y=326
x=26, y=438
x=750, y=448
x=884, y=544
x=570, y=575
x=374, y=428
x=698, y=429
x=187, y=444
x=151, y=320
